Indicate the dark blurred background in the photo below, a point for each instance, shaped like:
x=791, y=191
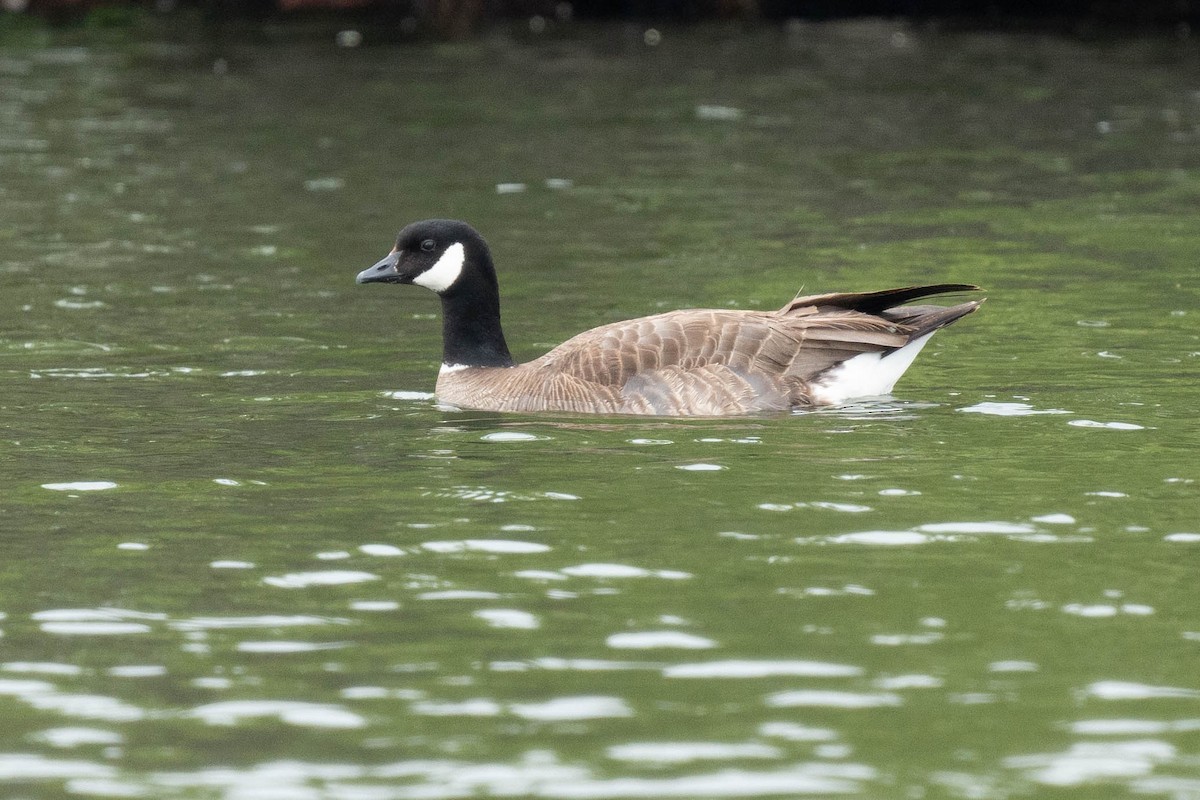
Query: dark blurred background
x=462, y=17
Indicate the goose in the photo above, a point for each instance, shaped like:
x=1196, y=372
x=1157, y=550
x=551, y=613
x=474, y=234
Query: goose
x=817, y=350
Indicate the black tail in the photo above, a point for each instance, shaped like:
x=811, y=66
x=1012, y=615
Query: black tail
x=878, y=302
x=927, y=319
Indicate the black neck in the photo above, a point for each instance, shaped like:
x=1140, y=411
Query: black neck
x=471, y=334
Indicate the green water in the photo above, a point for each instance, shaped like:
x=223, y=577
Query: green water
x=247, y=556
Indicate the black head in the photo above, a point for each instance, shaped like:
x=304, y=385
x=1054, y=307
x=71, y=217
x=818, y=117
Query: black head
x=434, y=253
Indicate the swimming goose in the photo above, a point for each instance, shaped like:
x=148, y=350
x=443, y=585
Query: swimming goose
x=817, y=350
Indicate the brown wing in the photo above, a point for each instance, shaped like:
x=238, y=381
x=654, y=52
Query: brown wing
x=797, y=344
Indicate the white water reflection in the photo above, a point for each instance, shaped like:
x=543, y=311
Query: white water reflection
x=40, y=768
x=571, y=664
x=1113, y=426
x=77, y=737
x=535, y=774
x=285, y=648
x=1128, y=690
x=823, y=698
x=1088, y=762
x=381, y=550
x=884, y=538
x=511, y=436
x=485, y=546
x=796, y=732
x=977, y=527
x=1107, y=609
x=264, y=621
x=94, y=628
x=560, y=709
x=1003, y=409
x=1133, y=727
x=459, y=594
x=80, y=486
x=86, y=706
x=761, y=669
x=621, y=571
x=508, y=618
x=303, y=580
x=650, y=640
x=301, y=714
x=686, y=752
x=476, y=707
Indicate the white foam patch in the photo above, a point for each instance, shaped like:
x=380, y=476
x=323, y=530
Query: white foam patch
x=458, y=594
x=74, y=737
x=1127, y=690
x=87, y=706
x=997, y=409
x=796, y=732
x=562, y=709
x=94, y=628
x=476, y=707
x=977, y=527
x=80, y=486
x=486, y=546
x=251, y=622
x=866, y=374
x=1114, y=426
x=382, y=550
x=306, y=715
x=287, y=648
x=761, y=669
x=1090, y=762
x=508, y=618
x=685, y=752
x=23, y=767
x=303, y=580
x=442, y=275
x=917, y=681
x=886, y=538
x=650, y=640
x=622, y=571
x=509, y=436
x=1055, y=519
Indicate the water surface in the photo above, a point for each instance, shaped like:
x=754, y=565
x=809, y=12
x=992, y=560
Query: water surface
x=247, y=556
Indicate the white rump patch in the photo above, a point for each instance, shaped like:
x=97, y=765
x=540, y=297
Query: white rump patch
x=442, y=275
x=866, y=374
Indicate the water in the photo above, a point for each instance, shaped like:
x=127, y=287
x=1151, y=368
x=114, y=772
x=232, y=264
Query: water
x=246, y=556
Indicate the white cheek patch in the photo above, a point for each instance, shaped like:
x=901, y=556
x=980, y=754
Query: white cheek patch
x=442, y=275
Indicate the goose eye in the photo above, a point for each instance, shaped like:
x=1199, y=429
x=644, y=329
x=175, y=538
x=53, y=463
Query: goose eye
x=428, y=245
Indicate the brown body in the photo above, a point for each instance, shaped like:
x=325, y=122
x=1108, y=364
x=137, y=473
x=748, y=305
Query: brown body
x=700, y=362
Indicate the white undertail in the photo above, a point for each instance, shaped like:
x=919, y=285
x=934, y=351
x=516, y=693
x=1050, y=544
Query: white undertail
x=866, y=374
